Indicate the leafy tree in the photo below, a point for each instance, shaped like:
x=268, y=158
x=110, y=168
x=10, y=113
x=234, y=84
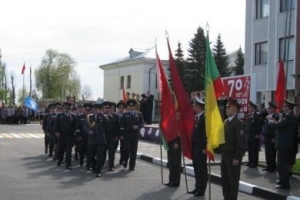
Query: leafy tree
x=20, y=95
x=238, y=69
x=87, y=92
x=56, y=76
x=195, y=65
x=221, y=58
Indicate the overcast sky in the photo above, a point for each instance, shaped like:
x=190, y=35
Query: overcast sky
x=96, y=32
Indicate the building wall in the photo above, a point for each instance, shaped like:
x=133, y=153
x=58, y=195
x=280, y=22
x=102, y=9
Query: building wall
x=140, y=82
x=268, y=29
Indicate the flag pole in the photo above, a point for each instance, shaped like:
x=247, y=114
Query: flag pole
x=209, y=163
x=184, y=169
x=160, y=133
x=160, y=145
x=23, y=87
x=181, y=142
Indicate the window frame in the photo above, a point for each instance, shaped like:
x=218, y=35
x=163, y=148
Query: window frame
x=258, y=57
x=122, y=80
x=128, y=82
x=285, y=6
x=281, y=44
x=259, y=11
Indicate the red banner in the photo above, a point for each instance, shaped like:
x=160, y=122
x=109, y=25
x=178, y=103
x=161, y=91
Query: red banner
x=238, y=87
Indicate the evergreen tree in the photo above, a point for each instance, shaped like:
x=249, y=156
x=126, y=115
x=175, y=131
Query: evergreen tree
x=238, y=69
x=180, y=62
x=195, y=65
x=221, y=58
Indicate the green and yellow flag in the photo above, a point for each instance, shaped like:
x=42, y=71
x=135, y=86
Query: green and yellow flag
x=214, y=88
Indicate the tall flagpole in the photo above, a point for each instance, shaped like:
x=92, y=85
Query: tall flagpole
x=209, y=164
x=160, y=132
x=23, y=85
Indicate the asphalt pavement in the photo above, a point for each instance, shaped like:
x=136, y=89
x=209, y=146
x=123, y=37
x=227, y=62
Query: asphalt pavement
x=28, y=174
x=253, y=180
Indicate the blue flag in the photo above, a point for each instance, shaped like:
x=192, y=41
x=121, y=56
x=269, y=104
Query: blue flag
x=30, y=103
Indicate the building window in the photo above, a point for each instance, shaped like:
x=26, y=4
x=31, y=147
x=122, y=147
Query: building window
x=262, y=8
x=287, y=53
x=261, y=53
x=287, y=5
x=156, y=81
x=121, y=82
x=128, y=81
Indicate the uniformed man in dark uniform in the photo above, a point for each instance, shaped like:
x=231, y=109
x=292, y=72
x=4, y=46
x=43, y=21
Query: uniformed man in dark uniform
x=112, y=130
x=44, y=127
x=269, y=139
x=50, y=128
x=114, y=135
x=232, y=151
x=80, y=135
x=64, y=129
x=58, y=109
x=96, y=139
x=131, y=123
x=121, y=109
x=253, y=129
x=286, y=127
x=199, y=144
x=88, y=126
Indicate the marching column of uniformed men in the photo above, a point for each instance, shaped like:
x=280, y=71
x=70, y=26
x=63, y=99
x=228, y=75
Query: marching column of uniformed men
x=94, y=134
x=99, y=132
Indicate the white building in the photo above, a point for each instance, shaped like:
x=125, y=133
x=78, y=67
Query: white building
x=136, y=72
x=270, y=25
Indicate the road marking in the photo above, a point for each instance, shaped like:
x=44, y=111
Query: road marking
x=34, y=135
x=22, y=135
x=6, y=135
x=16, y=135
x=41, y=135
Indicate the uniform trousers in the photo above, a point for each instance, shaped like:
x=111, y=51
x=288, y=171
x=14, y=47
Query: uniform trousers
x=230, y=177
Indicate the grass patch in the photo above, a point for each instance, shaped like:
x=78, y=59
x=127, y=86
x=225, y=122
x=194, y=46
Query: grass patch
x=296, y=167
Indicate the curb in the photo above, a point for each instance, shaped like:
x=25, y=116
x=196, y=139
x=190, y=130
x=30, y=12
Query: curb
x=216, y=178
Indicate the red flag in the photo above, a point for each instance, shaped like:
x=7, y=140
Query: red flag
x=23, y=69
x=280, y=87
x=167, y=108
x=184, y=107
x=124, y=95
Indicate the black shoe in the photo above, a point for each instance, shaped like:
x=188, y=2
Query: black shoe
x=252, y=166
x=98, y=175
x=265, y=169
x=167, y=184
x=58, y=163
x=69, y=168
x=271, y=170
x=193, y=191
x=199, y=193
x=174, y=185
x=131, y=168
x=125, y=164
x=121, y=162
x=111, y=169
x=247, y=164
x=279, y=182
x=279, y=186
